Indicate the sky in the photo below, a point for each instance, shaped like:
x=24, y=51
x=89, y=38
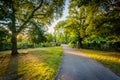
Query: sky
x=65, y=13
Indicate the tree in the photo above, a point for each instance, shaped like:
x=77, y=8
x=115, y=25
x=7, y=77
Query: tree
x=96, y=17
x=17, y=14
x=76, y=21
x=49, y=37
x=60, y=33
x=103, y=18
x=36, y=33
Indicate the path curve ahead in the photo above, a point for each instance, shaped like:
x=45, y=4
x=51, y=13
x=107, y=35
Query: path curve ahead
x=76, y=66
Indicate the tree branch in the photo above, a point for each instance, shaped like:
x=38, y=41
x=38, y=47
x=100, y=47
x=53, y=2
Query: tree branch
x=3, y=23
x=30, y=16
x=39, y=14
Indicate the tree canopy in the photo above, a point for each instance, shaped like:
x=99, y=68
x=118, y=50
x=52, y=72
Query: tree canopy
x=16, y=15
x=93, y=20
x=88, y=21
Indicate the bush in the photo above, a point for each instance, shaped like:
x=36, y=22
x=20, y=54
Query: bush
x=58, y=44
x=5, y=46
x=22, y=45
x=102, y=46
x=71, y=45
x=46, y=44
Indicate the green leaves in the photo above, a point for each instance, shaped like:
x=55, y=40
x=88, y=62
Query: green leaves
x=94, y=17
x=25, y=10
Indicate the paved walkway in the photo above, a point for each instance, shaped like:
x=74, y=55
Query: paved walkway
x=76, y=66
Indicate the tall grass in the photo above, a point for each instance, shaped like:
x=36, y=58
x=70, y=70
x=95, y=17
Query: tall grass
x=30, y=64
x=108, y=59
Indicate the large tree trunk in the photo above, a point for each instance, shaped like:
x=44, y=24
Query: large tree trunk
x=66, y=38
x=79, y=42
x=14, y=32
x=14, y=44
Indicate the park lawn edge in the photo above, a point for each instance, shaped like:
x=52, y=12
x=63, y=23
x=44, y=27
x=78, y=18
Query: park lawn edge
x=111, y=60
x=46, y=61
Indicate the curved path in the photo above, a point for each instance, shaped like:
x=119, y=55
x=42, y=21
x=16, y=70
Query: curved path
x=76, y=66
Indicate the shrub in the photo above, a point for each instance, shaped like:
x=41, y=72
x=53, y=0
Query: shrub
x=71, y=45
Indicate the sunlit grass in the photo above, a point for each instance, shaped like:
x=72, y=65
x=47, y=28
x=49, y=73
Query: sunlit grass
x=30, y=64
x=108, y=59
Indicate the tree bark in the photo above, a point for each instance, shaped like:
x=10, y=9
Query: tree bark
x=13, y=30
x=14, y=44
x=79, y=42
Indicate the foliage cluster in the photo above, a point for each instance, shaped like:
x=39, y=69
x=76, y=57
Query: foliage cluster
x=19, y=15
x=92, y=24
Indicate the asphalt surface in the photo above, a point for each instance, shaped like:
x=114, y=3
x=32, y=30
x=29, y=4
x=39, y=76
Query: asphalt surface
x=76, y=66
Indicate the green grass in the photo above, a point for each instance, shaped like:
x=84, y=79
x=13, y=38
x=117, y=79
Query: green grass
x=108, y=59
x=30, y=64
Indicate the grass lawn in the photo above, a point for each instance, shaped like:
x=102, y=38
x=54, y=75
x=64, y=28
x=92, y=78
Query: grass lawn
x=108, y=59
x=30, y=64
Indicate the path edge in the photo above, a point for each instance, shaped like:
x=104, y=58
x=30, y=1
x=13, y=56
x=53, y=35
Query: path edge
x=60, y=67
